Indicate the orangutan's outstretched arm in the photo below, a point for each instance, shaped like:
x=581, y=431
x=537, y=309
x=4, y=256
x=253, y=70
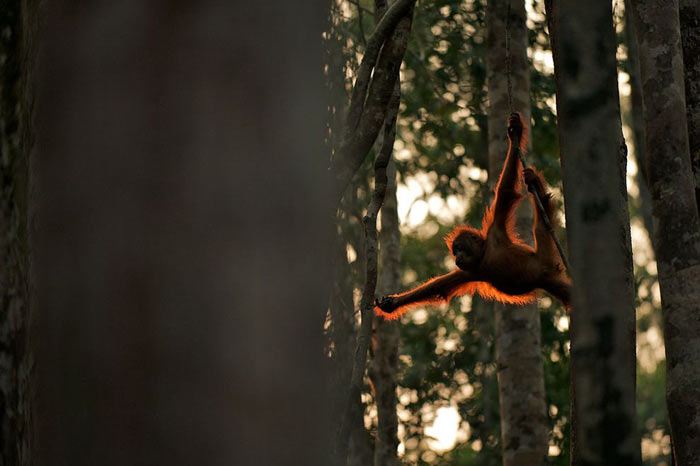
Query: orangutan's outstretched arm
x=435, y=291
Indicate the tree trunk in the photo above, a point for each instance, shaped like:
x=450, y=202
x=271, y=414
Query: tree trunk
x=17, y=22
x=690, y=38
x=675, y=209
x=184, y=228
x=593, y=158
x=385, y=343
x=524, y=426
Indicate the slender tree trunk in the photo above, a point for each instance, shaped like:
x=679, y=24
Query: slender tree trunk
x=690, y=38
x=593, y=157
x=182, y=250
x=524, y=425
x=385, y=343
x=675, y=209
x=18, y=20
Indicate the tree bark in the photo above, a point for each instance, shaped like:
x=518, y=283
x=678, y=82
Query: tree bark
x=524, y=426
x=675, y=209
x=385, y=343
x=18, y=20
x=593, y=157
x=183, y=235
x=690, y=38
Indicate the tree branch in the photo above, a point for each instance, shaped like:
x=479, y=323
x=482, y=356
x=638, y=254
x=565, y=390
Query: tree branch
x=370, y=97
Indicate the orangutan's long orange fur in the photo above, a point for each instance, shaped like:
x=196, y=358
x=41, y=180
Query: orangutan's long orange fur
x=509, y=251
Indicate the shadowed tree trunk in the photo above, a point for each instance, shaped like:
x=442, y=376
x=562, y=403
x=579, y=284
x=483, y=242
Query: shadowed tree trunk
x=524, y=425
x=675, y=209
x=690, y=37
x=183, y=235
x=594, y=159
x=17, y=22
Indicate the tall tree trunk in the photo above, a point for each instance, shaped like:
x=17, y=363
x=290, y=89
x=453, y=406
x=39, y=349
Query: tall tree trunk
x=593, y=157
x=675, y=209
x=524, y=425
x=690, y=38
x=182, y=249
x=385, y=343
x=18, y=20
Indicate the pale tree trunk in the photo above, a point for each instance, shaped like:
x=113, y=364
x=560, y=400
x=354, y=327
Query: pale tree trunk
x=675, y=209
x=594, y=159
x=690, y=38
x=182, y=260
x=385, y=342
x=17, y=21
x=524, y=425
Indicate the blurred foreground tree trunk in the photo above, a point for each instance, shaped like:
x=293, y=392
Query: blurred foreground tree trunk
x=593, y=155
x=689, y=16
x=182, y=261
x=18, y=20
x=675, y=210
x=524, y=425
